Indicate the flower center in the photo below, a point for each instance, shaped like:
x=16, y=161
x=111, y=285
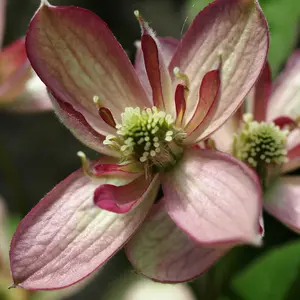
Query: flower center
x=260, y=143
x=148, y=136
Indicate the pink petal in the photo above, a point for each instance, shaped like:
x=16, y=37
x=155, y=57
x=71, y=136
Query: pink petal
x=81, y=129
x=77, y=57
x=235, y=31
x=34, y=98
x=207, y=104
x=2, y=20
x=223, y=137
x=65, y=237
x=282, y=201
x=135, y=287
x=14, y=71
x=293, y=148
x=286, y=91
x=162, y=252
x=168, y=46
x=214, y=198
x=157, y=72
x=261, y=94
x=122, y=199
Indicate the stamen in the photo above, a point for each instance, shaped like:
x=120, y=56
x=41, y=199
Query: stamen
x=180, y=103
x=105, y=113
x=137, y=14
x=107, y=116
x=85, y=164
x=143, y=24
x=182, y=77
x=97, y=101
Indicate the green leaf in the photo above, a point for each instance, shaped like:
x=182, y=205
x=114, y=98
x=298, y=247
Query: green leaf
x=282, y=16
x=12, y=224
x=271, y=276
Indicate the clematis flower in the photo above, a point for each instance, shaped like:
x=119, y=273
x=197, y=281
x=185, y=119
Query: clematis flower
x=211, y=201
x=269, y=140
x=20, y=88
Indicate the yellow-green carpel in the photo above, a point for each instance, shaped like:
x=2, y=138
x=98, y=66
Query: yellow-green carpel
x=260, y=143
x=148, y=136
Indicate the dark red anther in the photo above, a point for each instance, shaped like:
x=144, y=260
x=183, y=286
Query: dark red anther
x=107, y=116
x=285, y=121
x=180, y=103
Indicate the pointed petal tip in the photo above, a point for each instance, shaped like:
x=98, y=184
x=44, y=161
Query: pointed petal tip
x=45, y=3
x=257, y=241
x=254, y=239
x=13, y=286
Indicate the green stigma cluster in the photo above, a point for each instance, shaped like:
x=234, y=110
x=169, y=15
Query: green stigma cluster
x=147, y=135
x=260, y=143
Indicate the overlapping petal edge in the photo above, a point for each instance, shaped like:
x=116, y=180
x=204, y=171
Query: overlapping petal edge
x=164, y=253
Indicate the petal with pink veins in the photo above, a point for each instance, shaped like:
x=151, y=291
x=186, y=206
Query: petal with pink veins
x=223, y=137
x=167, y=45
x=81, y=129
x=285, y=97
x=293, y=151
x=214, y=198
x=162, y=252
x=65, y=236
x=282, y=201
x=235, y=31
x=122, y=199
x=77, y=57
x=34, y=98
x=15, y=71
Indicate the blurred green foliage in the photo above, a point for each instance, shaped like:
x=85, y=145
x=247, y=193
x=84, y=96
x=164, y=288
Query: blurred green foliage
x=283, y=17
x=275, y=275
